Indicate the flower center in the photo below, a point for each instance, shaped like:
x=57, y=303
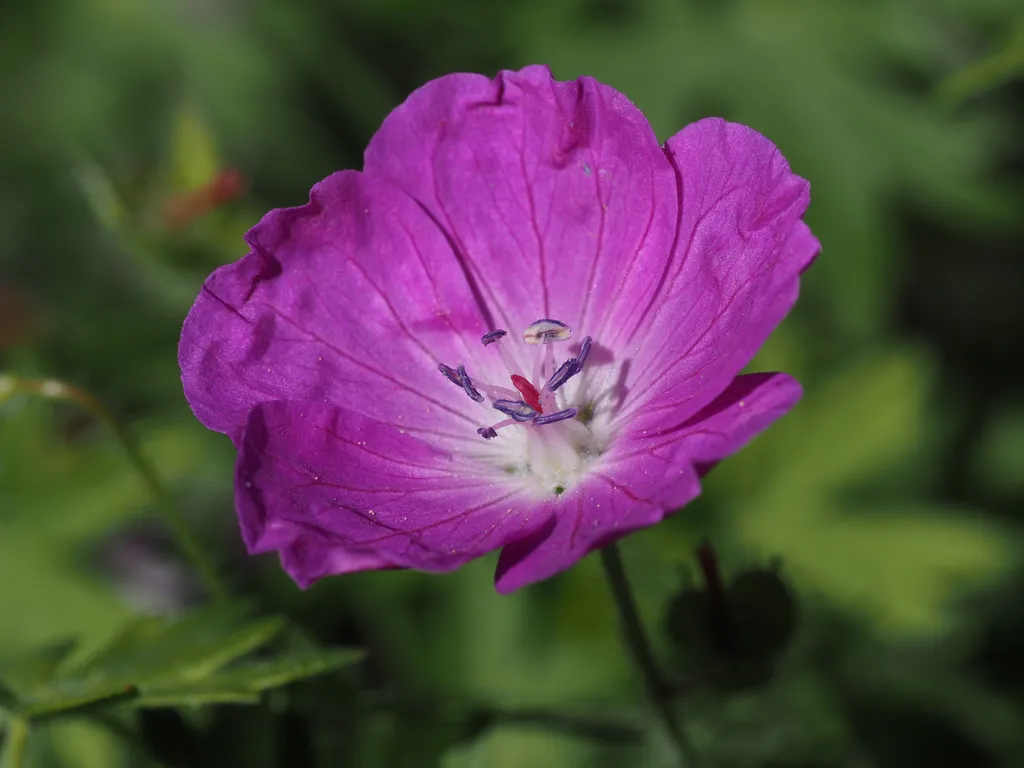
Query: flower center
x=553, y=456
x=526, y=405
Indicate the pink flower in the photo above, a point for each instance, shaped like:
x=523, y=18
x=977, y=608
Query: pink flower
x=588, y=296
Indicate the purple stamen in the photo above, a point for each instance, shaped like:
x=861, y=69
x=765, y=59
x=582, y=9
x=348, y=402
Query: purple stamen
x=551, y=418
x=569, y=368
x=467, y=384
x=450, y=374
x=492, y=336
x=461, y=379
x=565, y=372
x=519, y=410
x=487, y=433
x=581, y=358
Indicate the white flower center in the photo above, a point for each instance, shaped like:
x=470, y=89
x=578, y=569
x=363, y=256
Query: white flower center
x=560, y=427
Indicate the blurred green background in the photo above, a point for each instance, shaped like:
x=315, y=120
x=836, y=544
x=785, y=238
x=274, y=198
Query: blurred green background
x=890, y=500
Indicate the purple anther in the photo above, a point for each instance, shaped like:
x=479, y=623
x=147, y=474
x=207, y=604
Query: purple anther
x=581, y=358
x=492, y=336
x=518, y=410
x=545, y=331
x=451, y=374
x=487, y=433
x=565, y=371
x=551, y=418
x=467, y=384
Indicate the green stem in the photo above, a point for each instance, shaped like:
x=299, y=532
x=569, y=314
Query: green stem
x=659, y=692
x=15, y=743
x=58, y=390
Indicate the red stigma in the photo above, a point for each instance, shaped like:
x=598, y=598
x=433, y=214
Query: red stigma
x=529, y=392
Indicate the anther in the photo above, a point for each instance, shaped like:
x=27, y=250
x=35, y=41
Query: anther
x=450, y=374
x=569, y=368
x=519, y=410
x=492, y=336
x=461, y=379
x=546, y=331
x=581, y=358
x=565, y=371
x=467, y=384
x=551, y=418
x=487, y=433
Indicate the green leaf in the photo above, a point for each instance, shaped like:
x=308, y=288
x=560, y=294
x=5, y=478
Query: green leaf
x=187, y=650
x=29, y=671
x=152, y=653
x=242, y=683
x=193, y=156
x=900, y=564
x=8, y=699
x=67, y=695
x=991, y=71
x=196, y=695
x=265, y=674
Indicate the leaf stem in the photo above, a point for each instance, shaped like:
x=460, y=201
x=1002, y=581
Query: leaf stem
x=659, y=692
x=187, y=542
x=15, y=743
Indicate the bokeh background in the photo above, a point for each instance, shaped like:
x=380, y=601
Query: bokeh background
x=140, y=140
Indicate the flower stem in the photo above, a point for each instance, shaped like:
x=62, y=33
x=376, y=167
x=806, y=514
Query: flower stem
x=15, y=743
x=659, y=692
x=189, y=545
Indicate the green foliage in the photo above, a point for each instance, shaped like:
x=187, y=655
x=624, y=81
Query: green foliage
x=804, y=494
x=154, y=662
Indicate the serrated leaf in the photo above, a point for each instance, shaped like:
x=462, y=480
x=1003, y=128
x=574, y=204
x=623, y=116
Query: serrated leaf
x=187, y=650
x=68, y=695
x=264, y=674
x=242, y=683
x=196, y=695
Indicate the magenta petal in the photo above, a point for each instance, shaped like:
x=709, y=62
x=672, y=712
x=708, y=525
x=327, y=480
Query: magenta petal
x=734, y=274
x=335, y=491
x=314, y=554
x=646, y=477
x=557, y=196
x=353, y=299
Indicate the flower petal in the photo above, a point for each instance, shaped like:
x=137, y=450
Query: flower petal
x=740, y=249
x=353, y=299
x=558, y=199
x=335, y=492
x=646, y=477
